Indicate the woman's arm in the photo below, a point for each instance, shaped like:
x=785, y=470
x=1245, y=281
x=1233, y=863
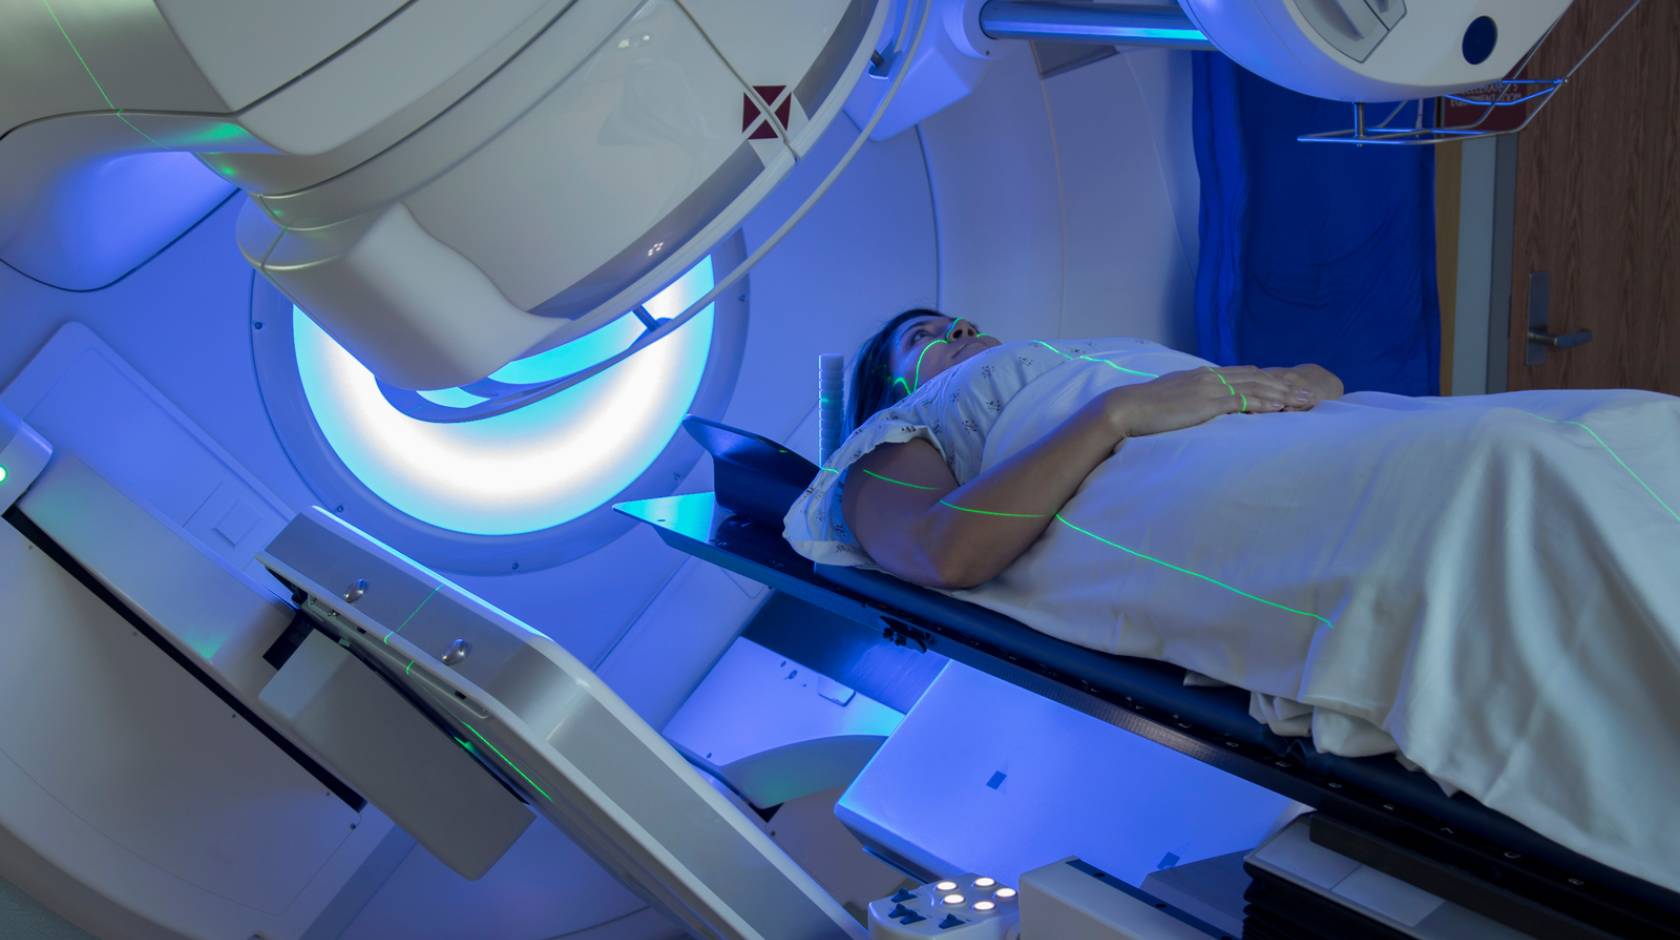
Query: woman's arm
x=913, y=519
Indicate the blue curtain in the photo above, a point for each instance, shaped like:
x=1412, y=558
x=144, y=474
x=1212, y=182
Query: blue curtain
x=1312, y=252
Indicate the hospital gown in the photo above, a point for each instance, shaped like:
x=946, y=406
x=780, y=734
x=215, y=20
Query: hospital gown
x=1488, y=585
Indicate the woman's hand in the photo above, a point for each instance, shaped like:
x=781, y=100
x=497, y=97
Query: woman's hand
x=1185, y=399
x=1323, y=383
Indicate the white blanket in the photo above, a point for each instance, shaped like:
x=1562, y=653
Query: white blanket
x=1490, y=585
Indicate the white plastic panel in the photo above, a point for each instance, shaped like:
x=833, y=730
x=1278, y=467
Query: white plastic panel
x=545, y=887
x=23, y=455
x=372, y=738
x=80, y=395
x=655, y=105
x=804, y=61
x=477, y=50
x=382, y=79
x=89, y=55
x=1058, y=900
x=248, y=48
x=985, y=776
x=946, y=69
x=506, y=80
x=58, y=221
x=687, y=625
x=774, y=729
x=123, y=772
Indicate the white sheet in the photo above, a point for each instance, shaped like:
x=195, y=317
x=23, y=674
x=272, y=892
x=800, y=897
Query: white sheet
x=1490, y=584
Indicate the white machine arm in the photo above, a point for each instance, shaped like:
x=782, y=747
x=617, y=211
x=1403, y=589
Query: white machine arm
x=443, y=186
x=552, y=732
x=446, y=187
x=1377, y=50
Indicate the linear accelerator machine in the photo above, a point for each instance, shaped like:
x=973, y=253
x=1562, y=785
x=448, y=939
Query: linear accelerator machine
x=446, y=187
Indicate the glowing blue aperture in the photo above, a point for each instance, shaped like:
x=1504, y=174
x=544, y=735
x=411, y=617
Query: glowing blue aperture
x=530, y=469
x=579, y=354
x=451, y=397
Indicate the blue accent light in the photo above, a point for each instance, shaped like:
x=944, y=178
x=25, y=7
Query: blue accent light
x=1009, y=19
x=579, y=354
x=1525, y=99
x=527, y=470
x=609, y=340
x=451, y=397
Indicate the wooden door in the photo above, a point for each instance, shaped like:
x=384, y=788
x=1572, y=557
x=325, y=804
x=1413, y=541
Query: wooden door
x=1598, y=205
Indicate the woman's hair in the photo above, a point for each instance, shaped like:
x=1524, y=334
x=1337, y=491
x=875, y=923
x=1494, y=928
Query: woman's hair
x=872, y=387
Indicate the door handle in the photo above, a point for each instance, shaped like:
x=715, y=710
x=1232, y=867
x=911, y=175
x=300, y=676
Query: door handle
x=1541, y=340
x=1565, y=341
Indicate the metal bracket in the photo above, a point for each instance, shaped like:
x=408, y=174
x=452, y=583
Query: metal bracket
x=902, y=634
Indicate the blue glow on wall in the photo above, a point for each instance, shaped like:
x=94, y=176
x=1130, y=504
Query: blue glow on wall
x=545, y=464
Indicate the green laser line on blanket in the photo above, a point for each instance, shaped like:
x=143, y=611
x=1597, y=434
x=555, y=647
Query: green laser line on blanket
x=1243, y=406
x=1095, y=537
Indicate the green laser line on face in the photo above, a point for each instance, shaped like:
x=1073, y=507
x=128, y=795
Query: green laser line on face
x=908, y=390
x=923, y=353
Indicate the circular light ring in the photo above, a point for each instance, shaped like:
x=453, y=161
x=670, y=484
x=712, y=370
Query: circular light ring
x=541, y=466
x=514, y=492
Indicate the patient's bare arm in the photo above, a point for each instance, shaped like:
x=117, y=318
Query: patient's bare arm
x=913, y=519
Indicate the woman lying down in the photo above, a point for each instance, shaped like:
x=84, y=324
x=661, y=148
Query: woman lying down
x=1489, y=585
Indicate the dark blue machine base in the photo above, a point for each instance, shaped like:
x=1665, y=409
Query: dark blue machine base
x=1374, y=795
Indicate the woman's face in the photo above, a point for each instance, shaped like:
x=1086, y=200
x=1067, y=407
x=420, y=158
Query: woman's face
x=926, y=346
